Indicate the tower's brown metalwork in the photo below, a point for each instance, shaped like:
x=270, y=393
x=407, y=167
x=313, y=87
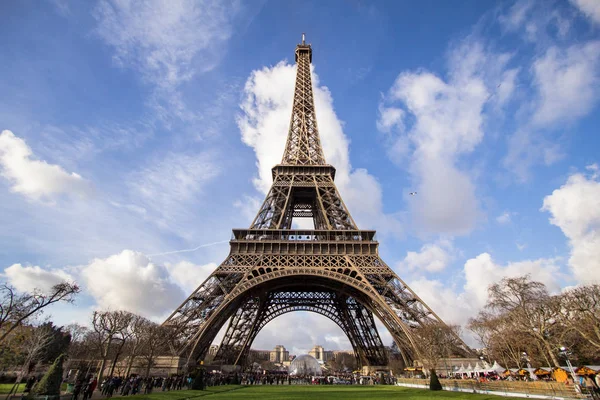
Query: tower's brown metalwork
x=334, y=270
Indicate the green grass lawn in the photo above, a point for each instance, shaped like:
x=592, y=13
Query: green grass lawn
x=310, y=392
x=5, y=387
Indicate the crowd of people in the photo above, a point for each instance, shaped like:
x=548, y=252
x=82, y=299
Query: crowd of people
x=110, y=386
x=133, y=385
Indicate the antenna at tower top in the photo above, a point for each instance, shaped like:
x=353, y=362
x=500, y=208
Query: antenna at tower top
x=303, y=38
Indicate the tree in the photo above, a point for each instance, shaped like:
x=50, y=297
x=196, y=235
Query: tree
x=434, y=341
x=59, y=342
x=83, y=348
x=50, y=383
x=395, y=360
x=15, y=308
x=581, y=313
x=344, y=362
x=134, y=336
x=153, y=341
x=109, y=326
x=528, y=308
x=33, y=349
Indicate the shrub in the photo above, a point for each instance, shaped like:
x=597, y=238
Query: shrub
x=434, y=382
x=49, y=385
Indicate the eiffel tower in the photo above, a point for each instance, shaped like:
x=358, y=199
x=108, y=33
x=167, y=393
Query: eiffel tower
x=272, y=269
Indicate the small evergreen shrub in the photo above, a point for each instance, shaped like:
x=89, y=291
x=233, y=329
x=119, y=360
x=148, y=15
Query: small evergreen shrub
x=434, y=382
x=49, y=385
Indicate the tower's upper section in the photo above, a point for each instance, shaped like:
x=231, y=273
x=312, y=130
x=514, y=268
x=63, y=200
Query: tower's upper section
x=303, y=146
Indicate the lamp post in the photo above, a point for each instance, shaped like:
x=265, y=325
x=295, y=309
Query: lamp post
x=565, y=353
x=531, y=374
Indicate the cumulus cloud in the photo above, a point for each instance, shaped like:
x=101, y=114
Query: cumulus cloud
x=433, y=257
x=29, y=278
x=590, y=8
x=189, y=275
x=446, y=122
x=482, y=271
x=36, y=179
x=131, y=281
x=267, y=108
x=302, y=330
x=575, y=209
x=457, y=305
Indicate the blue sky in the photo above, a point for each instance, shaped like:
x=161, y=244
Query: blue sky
x=132, y=129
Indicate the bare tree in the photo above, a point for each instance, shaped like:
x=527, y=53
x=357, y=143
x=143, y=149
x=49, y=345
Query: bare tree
x=135, y=335
x=529, y=309
x=581, y=313
x=435, y=341
x=109, y=326
x=16, y=307
x=37, y=339
x=154, y=342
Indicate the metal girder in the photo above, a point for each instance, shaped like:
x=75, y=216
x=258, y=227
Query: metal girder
x=355, y=320
x=334, y=270
x=303, y=145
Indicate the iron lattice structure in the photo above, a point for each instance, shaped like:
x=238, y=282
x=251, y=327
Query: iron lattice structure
x=334, y=270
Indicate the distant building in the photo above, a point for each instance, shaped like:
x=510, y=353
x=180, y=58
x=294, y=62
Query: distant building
x=321, y=354
x=260, y=355
x=336, y=352
x=279, y=354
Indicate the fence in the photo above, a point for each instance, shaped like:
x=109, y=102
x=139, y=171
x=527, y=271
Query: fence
x=536, y=389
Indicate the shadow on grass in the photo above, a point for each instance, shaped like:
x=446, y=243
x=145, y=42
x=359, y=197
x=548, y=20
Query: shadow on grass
x=182, y=394
x=312, y=392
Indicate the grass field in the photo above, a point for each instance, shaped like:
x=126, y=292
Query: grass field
x=310, y=392
x=5, y=387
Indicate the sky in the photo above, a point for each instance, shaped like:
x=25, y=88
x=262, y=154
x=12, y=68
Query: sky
x=136, y=134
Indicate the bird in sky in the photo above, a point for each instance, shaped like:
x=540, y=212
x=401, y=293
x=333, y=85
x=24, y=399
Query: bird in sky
x=412, y=193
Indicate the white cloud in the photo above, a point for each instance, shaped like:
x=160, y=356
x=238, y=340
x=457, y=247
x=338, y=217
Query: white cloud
x=33, y=178
x=504, y=218
x=302, y=330
x=264, y=124
x=167, y=185
x=575, y=209
x=568, y=82
x=535, y=21
x=482, y=271
x=168, y=42
x=189, y=275
x=566, y=87
x=28, y=278
x=433, y=257
x=390, y=118
x=130, y=281
x=564, y=82
x=163, y=38
x=456, y=306
x=448, y=122
x=590, y=8
x=516, y=16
